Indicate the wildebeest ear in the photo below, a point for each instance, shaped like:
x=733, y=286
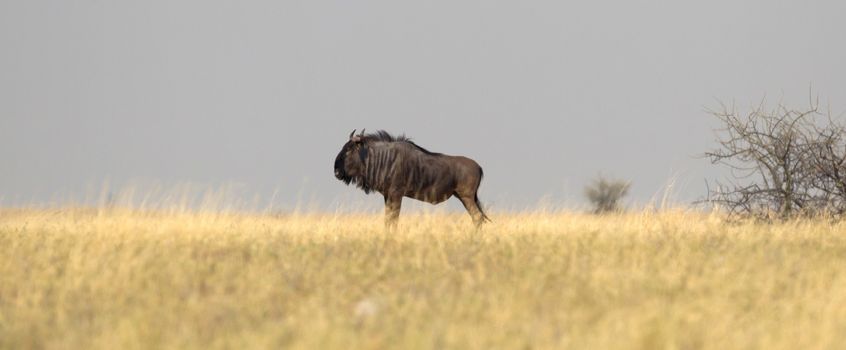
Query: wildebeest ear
x=362, y=153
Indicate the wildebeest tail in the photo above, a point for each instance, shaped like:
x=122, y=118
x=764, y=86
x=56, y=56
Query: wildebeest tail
x=479, y=205
x=476, y=197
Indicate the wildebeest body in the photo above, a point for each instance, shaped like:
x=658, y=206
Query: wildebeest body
x=396, y=167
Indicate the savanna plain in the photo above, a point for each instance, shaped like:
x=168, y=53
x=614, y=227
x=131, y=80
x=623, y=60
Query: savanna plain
x=112, y=278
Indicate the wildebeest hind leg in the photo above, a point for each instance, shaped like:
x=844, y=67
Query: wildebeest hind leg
x=473, y=209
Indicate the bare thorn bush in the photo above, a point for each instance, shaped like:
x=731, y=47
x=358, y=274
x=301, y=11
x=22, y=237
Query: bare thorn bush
x=783, y=162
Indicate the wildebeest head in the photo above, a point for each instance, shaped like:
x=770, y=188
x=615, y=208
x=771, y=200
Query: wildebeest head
x=349, y=164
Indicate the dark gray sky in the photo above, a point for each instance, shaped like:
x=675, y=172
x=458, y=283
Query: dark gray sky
x=543, y=94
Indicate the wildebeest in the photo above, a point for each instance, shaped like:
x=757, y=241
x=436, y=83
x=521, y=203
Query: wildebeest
x=396, y=167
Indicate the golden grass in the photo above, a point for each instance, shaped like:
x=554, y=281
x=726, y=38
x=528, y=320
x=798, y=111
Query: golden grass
x=122, y=279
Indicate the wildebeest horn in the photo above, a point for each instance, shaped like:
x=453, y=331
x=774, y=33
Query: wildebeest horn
x=352, y=133
x=362, y=133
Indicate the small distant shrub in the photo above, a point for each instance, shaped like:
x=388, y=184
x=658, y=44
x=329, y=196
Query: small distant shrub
x=605, y=194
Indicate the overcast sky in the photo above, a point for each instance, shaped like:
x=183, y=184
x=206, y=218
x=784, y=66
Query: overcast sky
x=262, y=94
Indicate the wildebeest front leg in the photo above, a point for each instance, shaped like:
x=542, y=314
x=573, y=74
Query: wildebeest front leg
x=393, y=204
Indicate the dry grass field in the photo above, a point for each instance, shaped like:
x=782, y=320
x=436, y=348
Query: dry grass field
x=130, y=279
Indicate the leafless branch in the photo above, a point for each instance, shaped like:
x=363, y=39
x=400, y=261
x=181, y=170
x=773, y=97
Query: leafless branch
x=783, y=162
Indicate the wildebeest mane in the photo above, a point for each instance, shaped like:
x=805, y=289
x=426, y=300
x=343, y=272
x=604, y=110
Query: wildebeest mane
x=385, y=136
